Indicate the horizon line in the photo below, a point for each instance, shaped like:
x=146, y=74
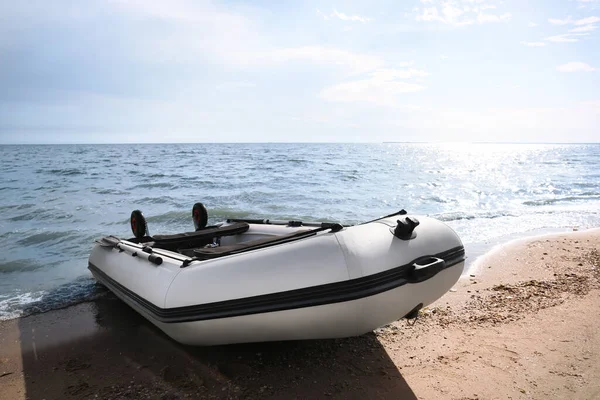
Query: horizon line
x=357, y=142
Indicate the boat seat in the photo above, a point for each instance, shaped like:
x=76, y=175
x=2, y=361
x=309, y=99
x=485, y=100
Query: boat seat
x=208, y=253
x=199, y=238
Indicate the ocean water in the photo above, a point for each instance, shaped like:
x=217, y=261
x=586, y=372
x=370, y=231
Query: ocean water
x=56, y=199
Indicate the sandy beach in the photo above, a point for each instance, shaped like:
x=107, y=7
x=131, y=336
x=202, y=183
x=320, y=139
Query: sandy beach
x=524, y=324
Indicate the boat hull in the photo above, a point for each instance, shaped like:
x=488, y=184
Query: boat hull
x=331, y=285
x=337, y=320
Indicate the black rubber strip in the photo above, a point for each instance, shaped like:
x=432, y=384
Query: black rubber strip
x=330, y=293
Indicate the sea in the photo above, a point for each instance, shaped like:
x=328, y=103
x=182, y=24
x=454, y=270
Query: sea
x=55, y=200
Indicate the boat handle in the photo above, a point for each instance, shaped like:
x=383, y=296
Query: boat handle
x=425, y=268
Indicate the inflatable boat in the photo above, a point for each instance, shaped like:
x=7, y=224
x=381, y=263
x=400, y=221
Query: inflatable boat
x=262, y=280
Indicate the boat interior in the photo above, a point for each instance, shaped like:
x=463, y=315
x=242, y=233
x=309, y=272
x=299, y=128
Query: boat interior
x=234, y=236
x=220, y=241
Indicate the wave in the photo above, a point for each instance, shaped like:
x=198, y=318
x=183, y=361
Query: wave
x=22, y=265
x=44, y=237
x=435, y=199
x=62, y=171
x=81, y=151
x=80, y=290
x=586, y=183
x=546, y=202
x=109, y=191
x=169, y=216
x=23, y=206
x=12, y=307
x=457, y=216
x=39, y=214
x=349, y=177
x=164, y=185
x=159, y=175
x=158, y=200
x=47, y=188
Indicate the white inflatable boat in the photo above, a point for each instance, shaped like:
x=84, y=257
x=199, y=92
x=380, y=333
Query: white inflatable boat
x=260, y=280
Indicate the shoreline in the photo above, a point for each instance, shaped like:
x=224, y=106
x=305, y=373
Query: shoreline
x=514, y=240
x=478, y=250
x=515, y=325
x=474, y=250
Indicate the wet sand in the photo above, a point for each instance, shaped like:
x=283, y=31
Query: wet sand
x=525, y=325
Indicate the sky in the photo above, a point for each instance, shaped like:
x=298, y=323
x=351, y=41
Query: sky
x=354, y=71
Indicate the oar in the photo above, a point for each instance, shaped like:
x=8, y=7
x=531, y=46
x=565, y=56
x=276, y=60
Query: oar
x=283, y=222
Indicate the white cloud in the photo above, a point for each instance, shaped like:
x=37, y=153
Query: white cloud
x=429, y=14
x=532, y=24
x=355, y=63
x=566, y=38
x=584, y=28
x=345, y=17
x=575, y=67
x=197, y=32
x=561, y=39
x=586, y=21
x=382, y=87
x=533, y=44
x=450, y=12
x=208, y=34
x=449, y=15
x=565, y=21
x=483, y=18
x=444, y=57
x=588, y=4
x=459, y=12
x=322, y=15
x=570, y=20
